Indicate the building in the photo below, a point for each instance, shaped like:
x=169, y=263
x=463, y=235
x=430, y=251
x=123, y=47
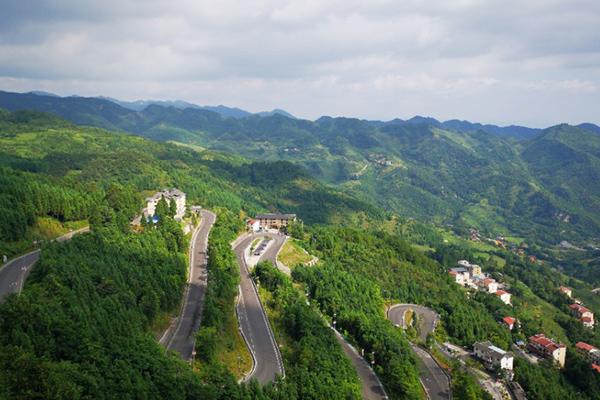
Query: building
x=460, y=275
x=493, y=357
x=567, y=291
x=253, y=225
x=584, y=314
x=169, y=195
x=275, y=221
x=509, y=322
x=591, y=353
x=488, y=284
x=504, y=296
x=474, y=269
x=548, y=348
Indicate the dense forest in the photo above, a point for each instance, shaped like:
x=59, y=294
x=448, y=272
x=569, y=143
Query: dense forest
x=469, y=175
x=81, y=327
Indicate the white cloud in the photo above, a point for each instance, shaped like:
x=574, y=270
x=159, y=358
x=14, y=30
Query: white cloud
x=380, y=59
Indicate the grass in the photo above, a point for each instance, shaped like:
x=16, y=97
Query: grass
x=292, y=254
x=236, y=356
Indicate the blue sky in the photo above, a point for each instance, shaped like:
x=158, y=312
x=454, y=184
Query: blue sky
x=527, y=62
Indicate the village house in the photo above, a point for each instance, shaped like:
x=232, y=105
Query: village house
x=460, y=275
x=253, y=225
x=169, y=195
x=584, y=314
x=493, y=357
x=504, y=296
x=548, y=348
x=567, y=291
x=509, y=322
x=488, y=284
x=474, y=269
x=591, y=353
x=275, y=221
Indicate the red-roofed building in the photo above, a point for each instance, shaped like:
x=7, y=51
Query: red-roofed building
x=509, y=322
x=489, y=284
x=567, y=291
x=504, y=296
x=584, y=314
x=596, y=368
x=548, y=348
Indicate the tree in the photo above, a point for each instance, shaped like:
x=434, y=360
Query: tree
x=162, y=208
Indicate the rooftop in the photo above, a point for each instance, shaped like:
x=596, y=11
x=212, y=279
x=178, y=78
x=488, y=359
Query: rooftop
x=585, y=347
x=579, y=308
x=275, y=216
x=509, y=320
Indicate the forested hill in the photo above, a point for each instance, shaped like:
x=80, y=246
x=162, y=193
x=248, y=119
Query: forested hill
x=50, y=167
x=452, y=172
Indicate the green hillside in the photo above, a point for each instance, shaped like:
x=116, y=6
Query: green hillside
x=458, y=173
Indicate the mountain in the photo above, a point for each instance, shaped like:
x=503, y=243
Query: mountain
x=277, y=111
x=452, y=172
x=140, y=105
x=590, y=127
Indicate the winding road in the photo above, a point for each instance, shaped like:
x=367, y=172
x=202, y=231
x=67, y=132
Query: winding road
x=180, y=336
x=14, y=273
x=433, y=377
x=255, y=327
x=371, y=387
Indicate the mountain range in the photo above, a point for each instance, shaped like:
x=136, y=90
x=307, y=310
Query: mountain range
x=534, y=183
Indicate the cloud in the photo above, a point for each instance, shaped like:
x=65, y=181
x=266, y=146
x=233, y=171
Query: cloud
x=378, y=59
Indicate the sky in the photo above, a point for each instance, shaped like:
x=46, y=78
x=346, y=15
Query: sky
x=528, y=62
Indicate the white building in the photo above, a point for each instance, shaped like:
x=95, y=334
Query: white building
x=460, y=275
x=493, y=357
x=488, y=284
x=170, y=195
x=504, y=296
x=254, y=225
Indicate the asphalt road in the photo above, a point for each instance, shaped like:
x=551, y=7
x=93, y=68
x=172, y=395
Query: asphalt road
x=15, y=272
x=427, y=318
x=181, y=336
x=433, y=377
x=372, y=389
x=252, y=317
x=435, y=381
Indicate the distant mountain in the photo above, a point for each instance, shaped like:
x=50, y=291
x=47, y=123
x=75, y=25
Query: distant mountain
x=590, y=127
x=42, y=93
x=457, y=172
x=140, y=105
x=512, y=131
x=277, y=111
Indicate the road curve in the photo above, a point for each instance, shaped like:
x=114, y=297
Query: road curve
x=14, y=273
x=427, y=317
x=434, y=379
x=253, y=320
x=181, y=336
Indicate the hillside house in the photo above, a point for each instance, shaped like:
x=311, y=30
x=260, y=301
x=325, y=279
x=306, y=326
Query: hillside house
x=461, y=275
x=275, y=221
x=253, y=225
x=488, y=284
x=509, y=322
x=504, y=296
x=548, y=348
x=584, y=314
x=567, y=291
x=493, y=357
x=591, y=353
x=474, y=269
x=169, y=195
